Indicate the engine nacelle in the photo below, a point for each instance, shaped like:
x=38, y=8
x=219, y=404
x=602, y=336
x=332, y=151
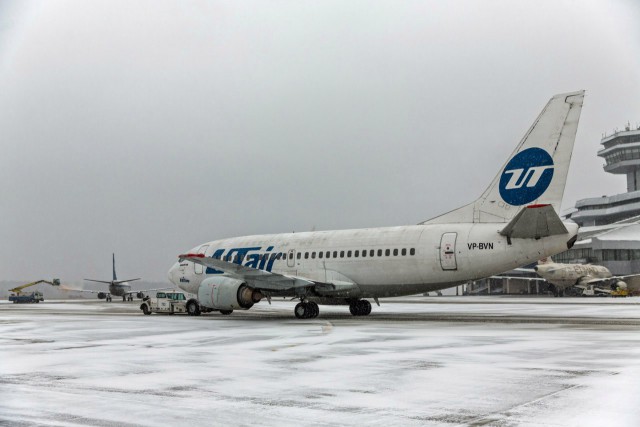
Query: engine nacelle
x=620, y=285
x=140, y=295
x=225, y=293
x=102, y=295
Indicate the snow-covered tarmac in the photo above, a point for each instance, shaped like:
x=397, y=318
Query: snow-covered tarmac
x=414, y=361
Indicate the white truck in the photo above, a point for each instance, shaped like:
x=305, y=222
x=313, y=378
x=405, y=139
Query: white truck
x=165, y=302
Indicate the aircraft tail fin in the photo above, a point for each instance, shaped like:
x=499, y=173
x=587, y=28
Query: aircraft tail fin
x=536, y=171
x=114, y=267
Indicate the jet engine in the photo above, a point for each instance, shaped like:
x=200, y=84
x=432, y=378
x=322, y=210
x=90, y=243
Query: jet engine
x=140, y=295
x=619, y=285
x=102, y=295
x=225, y=293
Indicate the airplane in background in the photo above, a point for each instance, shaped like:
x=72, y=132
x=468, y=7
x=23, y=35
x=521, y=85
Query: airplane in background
x=513, y=223
x=119, y=288
x=588, y=278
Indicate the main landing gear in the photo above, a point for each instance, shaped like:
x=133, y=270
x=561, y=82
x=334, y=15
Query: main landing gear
x=360, y=308
x=306, y=310
x=126, y=298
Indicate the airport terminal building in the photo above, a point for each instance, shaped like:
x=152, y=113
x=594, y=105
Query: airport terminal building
x=621, y=151
x=610, y=225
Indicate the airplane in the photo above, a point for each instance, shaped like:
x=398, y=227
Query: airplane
x=587, y=278
x=513, y=223
x=119, y=288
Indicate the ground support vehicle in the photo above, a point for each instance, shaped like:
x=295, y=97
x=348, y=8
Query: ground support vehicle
x=32, y=297
x=165, y=302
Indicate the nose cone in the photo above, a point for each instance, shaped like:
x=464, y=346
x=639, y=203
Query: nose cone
x=173, y=274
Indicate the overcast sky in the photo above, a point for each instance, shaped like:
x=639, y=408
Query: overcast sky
x=147, y=127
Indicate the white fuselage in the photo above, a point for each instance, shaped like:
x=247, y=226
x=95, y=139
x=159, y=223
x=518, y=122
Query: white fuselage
x=399, y=261
x=565, y=275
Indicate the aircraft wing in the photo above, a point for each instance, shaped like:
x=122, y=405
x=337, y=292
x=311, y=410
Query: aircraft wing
x=260, y=279
x=117, y=282
x=89, y=291
x=608, y=279
x=133, y=292
x=537, y=279
x=625, y=276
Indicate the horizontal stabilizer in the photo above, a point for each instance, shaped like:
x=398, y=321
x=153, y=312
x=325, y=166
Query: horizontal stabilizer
x=534, y=222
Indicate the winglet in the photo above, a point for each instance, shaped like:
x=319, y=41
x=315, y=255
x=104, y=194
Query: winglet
x=534, y=222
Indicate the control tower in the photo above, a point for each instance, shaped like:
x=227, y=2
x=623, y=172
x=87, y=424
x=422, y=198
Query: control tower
x=621, y=151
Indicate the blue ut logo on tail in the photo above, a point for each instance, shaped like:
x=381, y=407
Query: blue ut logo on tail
x=526, y=177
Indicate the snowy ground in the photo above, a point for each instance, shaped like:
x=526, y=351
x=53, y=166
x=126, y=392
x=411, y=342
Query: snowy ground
x=415, y=361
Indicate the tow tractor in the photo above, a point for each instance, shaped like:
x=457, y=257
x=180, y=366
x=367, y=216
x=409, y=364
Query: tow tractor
x=33, y=297
x=165, y=302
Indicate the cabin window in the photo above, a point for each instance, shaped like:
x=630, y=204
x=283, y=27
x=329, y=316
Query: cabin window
x=299, y=255
x=284, y=256
x=356, y=254
x=320, y=254
x=412, y=251
x=387, y=252
x=313, y=255
x=404, y=251
x=395, y=252
x=335, y=254
x=306, y=255
x=341, y=254
x=364, y=253
x=328, y=254
x=372, y=252
x=379, y=252
x=348, y=254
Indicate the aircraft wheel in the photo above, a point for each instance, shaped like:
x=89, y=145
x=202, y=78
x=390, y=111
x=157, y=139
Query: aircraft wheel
x=193, y=309
x=353, y=308
x=145, y=309
x=365, y=307
x=360, y=308
x=301, y=310
x=315, y=310
x=226, y=312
